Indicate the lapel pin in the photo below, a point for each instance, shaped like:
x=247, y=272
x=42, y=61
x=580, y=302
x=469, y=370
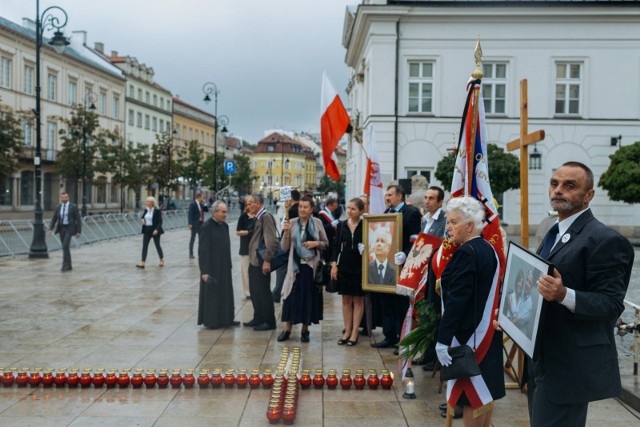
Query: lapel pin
x=566, y=238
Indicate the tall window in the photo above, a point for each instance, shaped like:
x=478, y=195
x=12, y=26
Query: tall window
x=155, y=100
x=102, y=103
x=131, y=91
x=568, y=87
x=146, y=97
x=494, y=87
x=5, y=70
x=131, y=121
x=26, y=188
x=52, y=132
x=154, y=124
x=27, y=132
x=139, y=94
x=27, y=83
x=162, y=103
x=161, y=125
x=115, y=110
x=52, y=85
x=139, y=120
x=146, y=121
x=420, y=87
x=72, y=92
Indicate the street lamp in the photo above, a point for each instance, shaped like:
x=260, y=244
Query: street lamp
x=48, y=20
x=170, y=135
x=90, y=99
x=208, y=89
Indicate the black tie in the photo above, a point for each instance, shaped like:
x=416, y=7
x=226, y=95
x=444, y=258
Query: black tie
x=548, y=242
x=380, y=268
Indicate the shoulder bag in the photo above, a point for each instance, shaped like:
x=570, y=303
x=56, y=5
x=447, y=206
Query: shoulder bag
x=280, y=258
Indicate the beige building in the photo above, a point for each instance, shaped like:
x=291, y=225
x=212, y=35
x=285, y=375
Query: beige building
x=65, y=79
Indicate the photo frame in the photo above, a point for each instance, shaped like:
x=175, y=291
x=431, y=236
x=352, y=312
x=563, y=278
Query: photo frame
x=521, y=303
x=376, y=233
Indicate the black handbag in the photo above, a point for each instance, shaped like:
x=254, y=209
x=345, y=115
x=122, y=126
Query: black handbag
x=280, y=258
x=463, y=359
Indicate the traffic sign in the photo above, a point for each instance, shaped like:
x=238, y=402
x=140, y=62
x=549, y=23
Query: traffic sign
x=229, y=167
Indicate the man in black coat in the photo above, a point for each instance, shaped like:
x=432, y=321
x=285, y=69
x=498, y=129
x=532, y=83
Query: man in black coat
x=66, y=221
x=394, y=307
x=195, y=218
x=576, y=361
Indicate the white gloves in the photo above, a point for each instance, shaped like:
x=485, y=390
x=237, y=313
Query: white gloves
x=399, y=258
x=442, y=351
x=335, y=222
x=360, y=248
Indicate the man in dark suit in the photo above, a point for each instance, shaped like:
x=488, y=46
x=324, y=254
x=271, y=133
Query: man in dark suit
x=394, y=307
x=381, y=271
x=196, y=218
x=66, y=221
x=576, y=360
x=434, y=221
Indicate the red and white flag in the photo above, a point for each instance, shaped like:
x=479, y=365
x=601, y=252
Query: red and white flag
x=333, y=125
x=373, y=178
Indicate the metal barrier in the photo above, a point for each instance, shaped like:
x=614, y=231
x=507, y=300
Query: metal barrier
x=16, y=235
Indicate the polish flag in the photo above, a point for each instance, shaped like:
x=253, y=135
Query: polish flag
x=333, y=124
x=373, y=178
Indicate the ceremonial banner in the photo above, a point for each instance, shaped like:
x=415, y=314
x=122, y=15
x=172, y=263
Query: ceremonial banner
x=373, y=178
x=415, y=266
x=333, y=125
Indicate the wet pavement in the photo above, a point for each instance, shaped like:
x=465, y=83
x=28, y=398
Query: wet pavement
x=107, y=314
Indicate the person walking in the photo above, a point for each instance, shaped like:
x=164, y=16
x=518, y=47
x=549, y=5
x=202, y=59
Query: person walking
x=195, y=219
x=67, y=222
x=469, y=285
x=151, y=229
x=215, y=304
x=346, y=270
x=305, y=239
x=244, y=229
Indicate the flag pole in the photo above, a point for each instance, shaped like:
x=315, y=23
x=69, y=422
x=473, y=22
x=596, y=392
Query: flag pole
x=358, y=137
x=477, y=75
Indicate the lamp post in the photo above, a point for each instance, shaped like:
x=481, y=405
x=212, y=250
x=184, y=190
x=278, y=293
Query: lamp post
x=48, y=20
x=170, y=158
x=210, y=88
x=90, y=99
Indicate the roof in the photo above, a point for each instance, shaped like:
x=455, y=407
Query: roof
x=282, y=144
x=177, y=100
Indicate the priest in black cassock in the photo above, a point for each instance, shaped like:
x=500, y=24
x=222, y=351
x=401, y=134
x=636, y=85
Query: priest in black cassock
x=215, y=306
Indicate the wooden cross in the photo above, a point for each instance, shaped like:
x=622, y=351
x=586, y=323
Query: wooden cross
x=522, y=143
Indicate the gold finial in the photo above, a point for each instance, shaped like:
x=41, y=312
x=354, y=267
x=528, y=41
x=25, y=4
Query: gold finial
x=477, y=73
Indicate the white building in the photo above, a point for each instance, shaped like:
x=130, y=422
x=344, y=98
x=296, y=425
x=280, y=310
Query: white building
x=411, y=60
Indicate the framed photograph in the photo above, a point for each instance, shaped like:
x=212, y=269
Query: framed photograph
x=382, y=238
x=521, y=303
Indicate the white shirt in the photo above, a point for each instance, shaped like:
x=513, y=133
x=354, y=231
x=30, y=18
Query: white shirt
x=431, y=219
x=148, y=218
x=64, y=214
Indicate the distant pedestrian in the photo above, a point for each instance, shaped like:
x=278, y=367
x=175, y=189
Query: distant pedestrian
x=195, y=218
x=244, y=230
x=151, y=229
x=66, y=221
x=215, y=305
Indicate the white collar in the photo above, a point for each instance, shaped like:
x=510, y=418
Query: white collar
x=435, y=216
x=564, y=225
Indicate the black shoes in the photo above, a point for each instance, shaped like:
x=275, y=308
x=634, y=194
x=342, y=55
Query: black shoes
x=342, y=342
x=192, y=257
x=383, y=344
x=284, y=335
x=351, y=343
x=251, y=323
x=234, y=323
x=304, y=336
x=264, y=327
x=64, y=269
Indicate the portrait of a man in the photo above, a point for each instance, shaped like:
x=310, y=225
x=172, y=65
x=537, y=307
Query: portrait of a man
x=382, y=239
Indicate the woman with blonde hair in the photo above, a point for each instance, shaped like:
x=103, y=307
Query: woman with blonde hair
x=151, y=228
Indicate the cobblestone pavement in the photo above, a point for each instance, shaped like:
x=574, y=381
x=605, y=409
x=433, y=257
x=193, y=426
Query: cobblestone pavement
x=107, y=314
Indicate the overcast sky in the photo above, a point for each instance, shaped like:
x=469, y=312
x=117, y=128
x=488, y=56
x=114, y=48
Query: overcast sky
x=265, y=56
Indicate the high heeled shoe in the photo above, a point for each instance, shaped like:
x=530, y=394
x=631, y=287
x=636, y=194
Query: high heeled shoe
x=161, y=263
x=342, y=341
x=351, y=343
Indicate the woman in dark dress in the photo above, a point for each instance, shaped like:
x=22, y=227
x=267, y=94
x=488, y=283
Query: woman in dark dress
x=346, y=269
x=305, y=239
x=469, y=290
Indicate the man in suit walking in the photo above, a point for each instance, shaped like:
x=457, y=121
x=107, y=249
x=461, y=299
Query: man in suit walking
x=434, y=221
x=66, y=221
x=196, y=218
x=576, y=361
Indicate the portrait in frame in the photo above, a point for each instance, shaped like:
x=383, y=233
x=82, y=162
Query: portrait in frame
x=521, y=303
x=382, y=238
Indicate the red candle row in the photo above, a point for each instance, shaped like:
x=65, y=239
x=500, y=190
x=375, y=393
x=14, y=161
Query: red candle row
x=358, y=381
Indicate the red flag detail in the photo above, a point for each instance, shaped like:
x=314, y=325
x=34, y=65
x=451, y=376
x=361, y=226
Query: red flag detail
x=333, y=125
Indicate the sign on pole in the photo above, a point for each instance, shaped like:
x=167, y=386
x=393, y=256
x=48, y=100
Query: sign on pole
x=285, y=194
x=229, y=167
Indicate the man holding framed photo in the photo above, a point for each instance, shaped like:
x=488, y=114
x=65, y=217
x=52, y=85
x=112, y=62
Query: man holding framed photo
x=576, y=361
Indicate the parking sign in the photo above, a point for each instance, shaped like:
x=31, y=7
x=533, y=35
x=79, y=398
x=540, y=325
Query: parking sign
x=229, y=167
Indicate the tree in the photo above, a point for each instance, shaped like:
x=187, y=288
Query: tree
x=504, y=170
x=11, y=145
x=70, y=161
x=163, y=170
x=243, y=178
x=328, y=184
x=207, y=172
x=622, y=177
x=191, y=163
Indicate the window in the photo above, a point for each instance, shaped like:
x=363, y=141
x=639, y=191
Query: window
x=162, y=103
x=155, y=100
x=5, y=69
x=28, y=80
x=27, y=132
x=146, y=97
x=494, y=87
x=154, y=124
x=139, y=94
x=72, y=92
x=26, y=188
x=139, y=120
x=146, y=121
x=131, y=118
x=52, y=85
x=131, y=91
x=420, y=87
x=115, y=110
x=52, y=132
x=568, y=87
x=168, y=105
x=162, y=125
x=102, y=103
x=424, y=172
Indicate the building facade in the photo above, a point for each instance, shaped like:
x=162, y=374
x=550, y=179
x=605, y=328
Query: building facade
x=411, y=60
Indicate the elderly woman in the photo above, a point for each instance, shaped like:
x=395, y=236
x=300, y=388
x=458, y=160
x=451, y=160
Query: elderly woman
x=305, y=239
x=469, y=286
x=151, y=228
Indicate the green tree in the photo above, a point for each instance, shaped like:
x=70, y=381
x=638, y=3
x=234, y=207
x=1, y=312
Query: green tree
x=192, y=163
x=163, y=169
x=11, y=145
x=70, y=161
x=208, y=167
x=243, y=178
x=328, y=184
x=504, y=170
x=622, y=177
